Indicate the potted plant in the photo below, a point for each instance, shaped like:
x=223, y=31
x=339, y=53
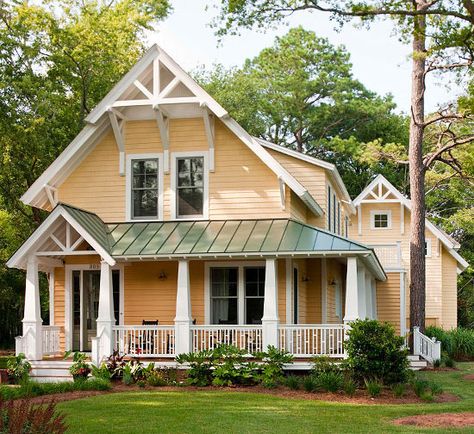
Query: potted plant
x=79, y=369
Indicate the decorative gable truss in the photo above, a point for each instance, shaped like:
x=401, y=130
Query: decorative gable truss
x=380, y=190
x=158, y=90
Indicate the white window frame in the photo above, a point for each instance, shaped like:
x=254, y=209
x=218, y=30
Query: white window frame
x=241, y=314
x=128, y=186
x=375, y=212
x=174, y=174
x=428, y=248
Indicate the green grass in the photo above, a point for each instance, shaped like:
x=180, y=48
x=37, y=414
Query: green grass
x=232, y=412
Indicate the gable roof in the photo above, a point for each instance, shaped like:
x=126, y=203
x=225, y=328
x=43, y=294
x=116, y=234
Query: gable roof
x=331, y=168
x=128, y=87
x=86, y=224
x=450, y=244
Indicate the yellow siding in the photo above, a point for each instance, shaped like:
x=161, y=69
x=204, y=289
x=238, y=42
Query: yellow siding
x=388, y=300
x=313, y=291
x=334, y=274
x=241, y=186
x=370, y=236
x=449, y=291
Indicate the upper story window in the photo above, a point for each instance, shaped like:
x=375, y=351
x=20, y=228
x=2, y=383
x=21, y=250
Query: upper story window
x=333, y=211
x=380, y=219
x=144, y=187
x=428, y=248
x=190, y=185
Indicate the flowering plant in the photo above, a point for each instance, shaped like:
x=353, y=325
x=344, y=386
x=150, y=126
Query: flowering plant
x=79, y=369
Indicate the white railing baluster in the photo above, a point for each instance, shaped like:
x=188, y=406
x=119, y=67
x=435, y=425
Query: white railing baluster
x=145, y=341
x=50, y=338
x=429, y=349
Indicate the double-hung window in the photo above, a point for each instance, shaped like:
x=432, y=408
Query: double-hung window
x=224, y=295
x=144, y=188
x=190, y=188
x=254, y=294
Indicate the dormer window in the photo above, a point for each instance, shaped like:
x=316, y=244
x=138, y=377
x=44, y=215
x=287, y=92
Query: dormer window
x=189, y=174
x=381, y=219
x=144, y=183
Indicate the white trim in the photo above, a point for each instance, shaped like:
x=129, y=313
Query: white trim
x=450, y=244
x=315, y=161
x=174, y=174
x=295, y=267
x=128, y=186
x=428, y=248
x=16, y=261
x=403, y=308
x=288, y=290
x=240, y=265
x=51, y=297
x=375, y=212
x=69, y=306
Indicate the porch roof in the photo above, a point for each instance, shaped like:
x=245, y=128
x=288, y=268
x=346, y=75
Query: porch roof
x=217, y=238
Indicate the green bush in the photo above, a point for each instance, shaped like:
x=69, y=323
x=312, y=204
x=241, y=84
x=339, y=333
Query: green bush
x=100, y=371
x=398, y=389
x=310, y=383
x=79, y=369
x=325, y=364
x=349, y=387
x=3, y=361
x=18, y=369
x=200, y=367
x=375, y=351
x=330, y=381
x=271, y=371
x=420, y=386
x=293, y=382
x=374, y=387
x=156, y=379
x=457, y=343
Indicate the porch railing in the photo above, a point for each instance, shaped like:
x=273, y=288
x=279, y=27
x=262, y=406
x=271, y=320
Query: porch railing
x=429, y=349
x=51, y=340
x=390, y=255
x=312, y=340
x=245, y=337
x=143, y=341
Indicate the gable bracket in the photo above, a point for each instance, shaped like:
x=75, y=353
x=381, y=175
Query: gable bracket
x=117, y=121
x=52, y=194
x=143, y=89
x=163, y=125
x=210, y=134
x=282, y=193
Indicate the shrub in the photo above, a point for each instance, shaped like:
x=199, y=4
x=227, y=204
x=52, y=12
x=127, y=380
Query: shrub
x=457, y=343
x=156, y=379
x=398, y=389
x=230, y=367
x=350, y=387
x=420, y=386
x=18, y=369
x=449, y=362
x=127, y=377
x=374, y=387
x=272, y=369
x=293, y=382
x=324, y=364
x=330, y=381
x=310, y=383
x=375, y=351
x=26, y=417
x=436, y=389
x=200, y=367
x=115, y=364
x=100, y=371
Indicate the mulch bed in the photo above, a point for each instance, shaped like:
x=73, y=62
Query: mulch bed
x=441, y=420
x=360, y=397
x=469, y=377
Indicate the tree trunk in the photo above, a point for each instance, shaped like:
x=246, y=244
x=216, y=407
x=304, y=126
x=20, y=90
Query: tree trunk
x=417, y=177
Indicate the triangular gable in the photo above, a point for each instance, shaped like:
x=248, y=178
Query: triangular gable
x=85, y=229
x=156, y=87
x=380, y=190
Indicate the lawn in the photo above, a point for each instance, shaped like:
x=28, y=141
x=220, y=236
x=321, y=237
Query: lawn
x=223, y=412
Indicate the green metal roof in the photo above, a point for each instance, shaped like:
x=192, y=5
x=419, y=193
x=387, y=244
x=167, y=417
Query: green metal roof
x=223, y=237
x=214, y=238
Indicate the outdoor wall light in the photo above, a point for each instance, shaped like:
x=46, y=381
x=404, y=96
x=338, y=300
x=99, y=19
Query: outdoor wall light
x=162, y=275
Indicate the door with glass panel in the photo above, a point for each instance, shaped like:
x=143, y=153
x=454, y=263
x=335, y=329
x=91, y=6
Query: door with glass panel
x=237, y=295
x=86, y=287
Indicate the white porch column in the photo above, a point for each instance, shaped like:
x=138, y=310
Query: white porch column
x=373, y=285
x=352, y=291
x=106, y=318
x=362, y=291
x=368, y=296
x=183, y=320
x=270, y=305
x=32, y=341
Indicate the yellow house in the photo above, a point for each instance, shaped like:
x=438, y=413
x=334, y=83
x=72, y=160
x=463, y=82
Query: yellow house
x=171, y=230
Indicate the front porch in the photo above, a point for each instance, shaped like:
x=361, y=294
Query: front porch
x=156, y=290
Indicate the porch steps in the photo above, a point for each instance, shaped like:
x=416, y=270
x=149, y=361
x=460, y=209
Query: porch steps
x=417, y=363
x=47, y=371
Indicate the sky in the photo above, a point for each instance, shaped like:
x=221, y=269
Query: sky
x=379, y=60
